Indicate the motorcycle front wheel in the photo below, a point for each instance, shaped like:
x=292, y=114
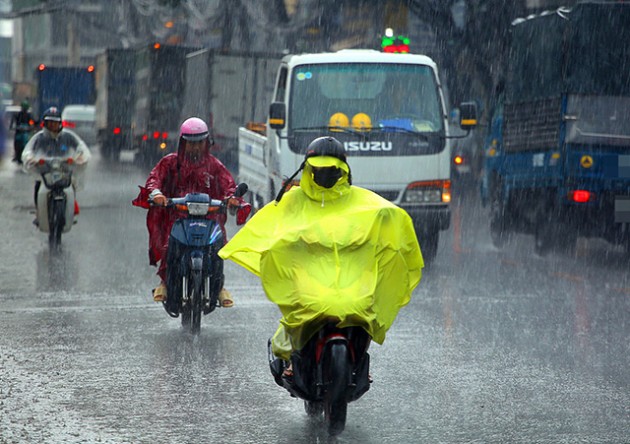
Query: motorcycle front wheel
x=196, y=301
x=337, y=372
x=186, y=308
x=56, y=221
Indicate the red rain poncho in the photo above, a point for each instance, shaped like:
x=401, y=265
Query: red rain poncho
x=208, y=176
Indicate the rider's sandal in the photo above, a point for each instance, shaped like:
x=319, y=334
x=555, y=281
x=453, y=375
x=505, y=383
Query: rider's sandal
x=159, y=293
x=288, y=372
x=225, y=299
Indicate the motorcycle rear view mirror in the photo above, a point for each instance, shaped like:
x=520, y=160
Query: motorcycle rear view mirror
x=243, y=211
x=241, y=189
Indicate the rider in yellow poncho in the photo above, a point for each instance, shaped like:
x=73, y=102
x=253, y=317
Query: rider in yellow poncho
x=328, y=249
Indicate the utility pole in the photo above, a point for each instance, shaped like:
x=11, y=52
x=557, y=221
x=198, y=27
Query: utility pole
x=74, y=48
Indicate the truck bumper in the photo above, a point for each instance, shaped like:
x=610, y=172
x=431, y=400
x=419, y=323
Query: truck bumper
x=609, y=218
x=429, y=218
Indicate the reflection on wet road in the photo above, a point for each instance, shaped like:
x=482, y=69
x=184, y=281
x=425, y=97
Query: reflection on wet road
x=495, y=346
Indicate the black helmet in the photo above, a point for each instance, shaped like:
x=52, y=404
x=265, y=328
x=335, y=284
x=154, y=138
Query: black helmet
x=326, y=146
x=52, y=114
x=322, y=146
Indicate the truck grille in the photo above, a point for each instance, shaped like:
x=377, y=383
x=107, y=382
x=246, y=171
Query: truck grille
x=532, y=125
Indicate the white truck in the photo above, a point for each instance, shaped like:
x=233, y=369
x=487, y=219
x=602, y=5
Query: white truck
x=388, y=110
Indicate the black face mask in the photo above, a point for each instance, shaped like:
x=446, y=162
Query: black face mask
x=327, y=177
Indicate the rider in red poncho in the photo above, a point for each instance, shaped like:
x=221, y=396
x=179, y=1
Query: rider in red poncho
x=191, y=170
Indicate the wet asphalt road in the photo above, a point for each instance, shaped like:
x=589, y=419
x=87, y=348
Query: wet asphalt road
x=495, y=346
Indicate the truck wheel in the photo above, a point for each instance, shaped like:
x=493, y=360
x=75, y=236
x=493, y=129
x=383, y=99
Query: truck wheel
x=498, y=229
x=543, y=237
x=553, y=232
x=115, y=156
x=566, y=239
x=429, y=245
x=106, y=151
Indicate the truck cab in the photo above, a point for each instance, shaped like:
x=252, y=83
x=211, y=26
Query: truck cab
x=389, y=112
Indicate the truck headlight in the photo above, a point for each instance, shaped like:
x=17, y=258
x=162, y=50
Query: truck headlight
x=428, y=192
x=419, y=195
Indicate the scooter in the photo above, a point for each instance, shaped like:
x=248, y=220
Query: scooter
x=329, y=372
x=56, y=198
x=195, y=272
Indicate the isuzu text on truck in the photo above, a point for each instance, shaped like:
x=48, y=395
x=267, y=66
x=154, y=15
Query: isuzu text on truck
x=388, y=110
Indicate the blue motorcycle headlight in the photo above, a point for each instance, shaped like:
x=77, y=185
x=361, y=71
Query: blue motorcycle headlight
x=197, y=208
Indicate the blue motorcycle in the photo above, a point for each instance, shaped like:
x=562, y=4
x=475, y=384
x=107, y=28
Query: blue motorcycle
x=195, y=271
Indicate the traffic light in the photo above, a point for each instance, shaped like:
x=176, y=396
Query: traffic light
x=395, y=44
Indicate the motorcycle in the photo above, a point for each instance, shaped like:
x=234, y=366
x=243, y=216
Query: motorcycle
x=56, y=199
x=330, y=371
x=195, y=273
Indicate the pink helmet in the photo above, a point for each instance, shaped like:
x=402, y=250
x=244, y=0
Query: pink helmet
x=194, y=129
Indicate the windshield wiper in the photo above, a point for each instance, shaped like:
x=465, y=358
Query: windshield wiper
x=332, y=129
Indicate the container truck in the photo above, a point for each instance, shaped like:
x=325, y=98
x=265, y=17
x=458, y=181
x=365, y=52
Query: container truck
x=61, y=86
x=115, y=93
x=160, y=82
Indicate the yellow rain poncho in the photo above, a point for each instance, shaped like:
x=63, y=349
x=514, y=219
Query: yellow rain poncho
x=342, y=252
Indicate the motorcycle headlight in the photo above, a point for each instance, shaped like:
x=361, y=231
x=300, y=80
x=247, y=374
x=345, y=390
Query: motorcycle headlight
x=56, y=176
x=197, y=208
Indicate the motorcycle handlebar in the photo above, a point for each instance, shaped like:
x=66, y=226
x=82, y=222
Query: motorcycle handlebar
x=241, y=211
x=44, y=164
x=240, y=191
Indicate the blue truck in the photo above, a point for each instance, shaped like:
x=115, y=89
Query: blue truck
x=557, y=158
x=61, y=86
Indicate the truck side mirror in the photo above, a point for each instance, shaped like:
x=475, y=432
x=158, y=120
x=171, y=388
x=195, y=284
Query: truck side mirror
x=468, y=115
x=277, y=115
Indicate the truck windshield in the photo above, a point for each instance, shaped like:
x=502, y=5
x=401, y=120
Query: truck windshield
x=397, y=104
